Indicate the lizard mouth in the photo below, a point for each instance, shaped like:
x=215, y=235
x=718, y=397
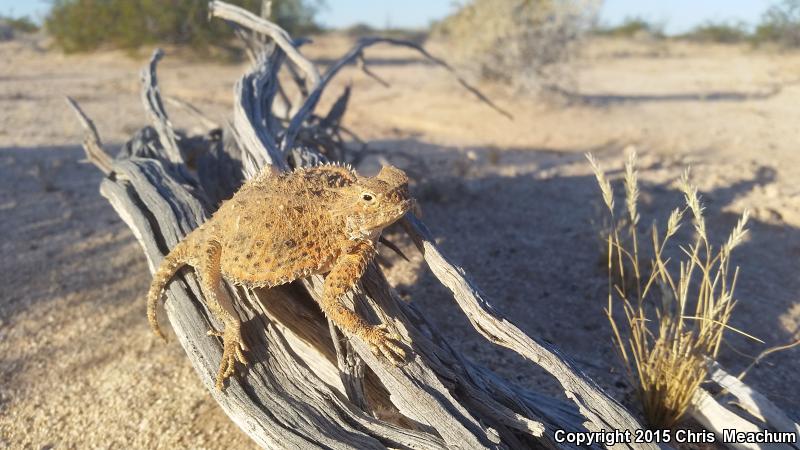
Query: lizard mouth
x=400, y=195
x=408, y=205
x=400, y=210
x=401, y=198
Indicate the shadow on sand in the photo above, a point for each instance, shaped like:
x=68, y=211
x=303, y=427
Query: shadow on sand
x=612, y=99
x=527, y=235
x=520, y=225
x=59, y=234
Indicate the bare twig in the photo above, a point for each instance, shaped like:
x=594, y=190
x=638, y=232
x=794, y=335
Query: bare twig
x=151, y=97
x=362, y=64
x=311, y=102
x=91, y=140
x=306, y=386
x=193, y=110
x=757, y=360
x=279, y=35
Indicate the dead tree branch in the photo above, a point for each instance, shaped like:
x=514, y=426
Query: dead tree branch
x=92, y=145
x=307, y=386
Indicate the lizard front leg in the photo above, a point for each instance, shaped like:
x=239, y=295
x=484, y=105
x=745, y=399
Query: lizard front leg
x=346, y=272
x=220, y=305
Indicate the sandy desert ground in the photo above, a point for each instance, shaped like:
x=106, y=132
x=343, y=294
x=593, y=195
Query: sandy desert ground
x=513, y=202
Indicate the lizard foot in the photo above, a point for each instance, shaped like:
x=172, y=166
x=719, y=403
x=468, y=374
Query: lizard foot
x=386, y=344
x=232, y=350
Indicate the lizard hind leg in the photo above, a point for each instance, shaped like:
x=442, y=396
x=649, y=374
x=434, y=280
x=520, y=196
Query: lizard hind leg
x=166, y=270
x=220, y=305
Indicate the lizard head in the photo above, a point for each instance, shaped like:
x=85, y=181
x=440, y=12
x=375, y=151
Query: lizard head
x=373, y=203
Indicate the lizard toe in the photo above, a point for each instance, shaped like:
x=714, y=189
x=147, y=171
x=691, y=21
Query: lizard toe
x=388, y=345
x=232, y=351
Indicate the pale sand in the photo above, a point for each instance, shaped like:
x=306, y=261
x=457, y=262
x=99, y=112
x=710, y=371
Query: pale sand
x=511, y=201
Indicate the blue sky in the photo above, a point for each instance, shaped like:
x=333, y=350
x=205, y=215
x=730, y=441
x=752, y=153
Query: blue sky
x=676, y=15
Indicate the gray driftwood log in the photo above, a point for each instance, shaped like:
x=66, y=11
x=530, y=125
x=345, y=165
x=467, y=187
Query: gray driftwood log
x=307, y=386
x=741, y=408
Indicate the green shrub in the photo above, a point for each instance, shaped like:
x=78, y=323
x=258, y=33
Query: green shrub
x=720, y=32
x=780, y=24
x=83, y=25
x=632, y=27
x=360, y=30
x=19, y=24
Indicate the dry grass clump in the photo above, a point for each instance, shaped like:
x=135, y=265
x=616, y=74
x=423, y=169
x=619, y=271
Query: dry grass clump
x=673, y=320
x=525, y=43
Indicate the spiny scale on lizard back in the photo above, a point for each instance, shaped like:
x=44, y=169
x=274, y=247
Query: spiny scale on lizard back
x=280, y=228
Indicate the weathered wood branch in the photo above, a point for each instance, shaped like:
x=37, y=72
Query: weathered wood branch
x=95, y=153
x=353, y=56
x=764, y=415
x=601, y=410
x=715, y=417
x=204, y=120
x=307, y=385
x=279, y=35
x=577, y=385
x=754, y=402
x=254, y=126
x=154, y=107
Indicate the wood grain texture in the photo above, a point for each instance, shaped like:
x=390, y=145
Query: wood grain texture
x=307, y=385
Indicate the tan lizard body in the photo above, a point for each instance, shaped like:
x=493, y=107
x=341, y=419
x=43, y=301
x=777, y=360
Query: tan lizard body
x=281, y=227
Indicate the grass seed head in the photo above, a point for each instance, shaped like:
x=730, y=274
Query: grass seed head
x=663, y=348
x=602, y=181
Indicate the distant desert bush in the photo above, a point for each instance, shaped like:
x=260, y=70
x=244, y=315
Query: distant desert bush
x=673, y=320
x=632, y=27
x=780, y=24
x=83, y=25
x=718, y=32
x=361, y=30
x=18, y=24
x=525, y=43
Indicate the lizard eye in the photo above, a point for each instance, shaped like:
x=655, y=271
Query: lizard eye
x=367, y=197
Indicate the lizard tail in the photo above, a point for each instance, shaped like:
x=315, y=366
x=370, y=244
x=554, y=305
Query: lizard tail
x=169, y=265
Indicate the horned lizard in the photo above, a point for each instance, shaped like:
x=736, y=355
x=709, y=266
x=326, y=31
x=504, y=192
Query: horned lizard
x=283, y=226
